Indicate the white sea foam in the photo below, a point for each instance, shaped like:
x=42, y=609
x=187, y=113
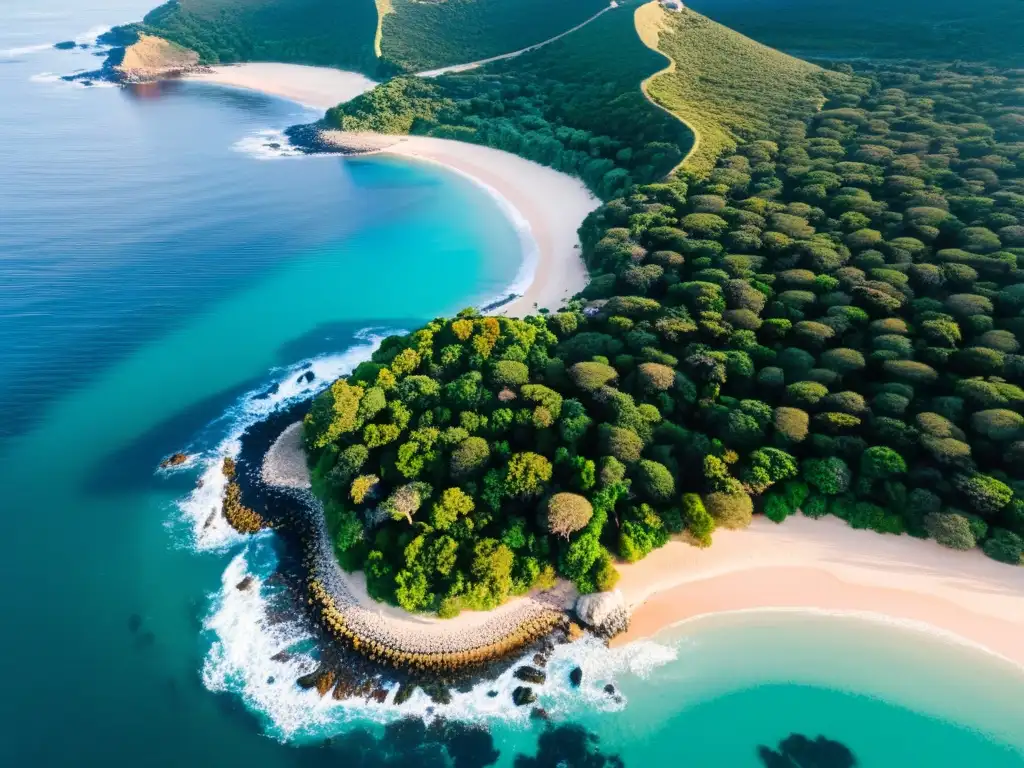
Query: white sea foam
x=258, y=145
x=200, y=510
x=245, y=640
x=90, y=35
x=45, y=77
x=25, y=50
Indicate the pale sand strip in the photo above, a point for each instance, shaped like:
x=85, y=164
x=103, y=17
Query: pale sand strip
x=395, y=628
x=826, y=565
x=317, y=87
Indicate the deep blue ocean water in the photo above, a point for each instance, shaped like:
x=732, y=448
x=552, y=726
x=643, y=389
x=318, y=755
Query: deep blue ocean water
x=156, y=277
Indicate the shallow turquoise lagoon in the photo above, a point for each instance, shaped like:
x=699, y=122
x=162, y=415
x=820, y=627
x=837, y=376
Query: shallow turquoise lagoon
x=160, y=288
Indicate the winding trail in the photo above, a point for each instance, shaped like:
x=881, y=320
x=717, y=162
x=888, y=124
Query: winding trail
x=474, y=64
x=649, y=22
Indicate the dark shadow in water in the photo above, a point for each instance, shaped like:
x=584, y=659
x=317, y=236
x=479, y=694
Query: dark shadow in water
x=132, y=467
x=568, y=745
x=406, y=742
x=798, y=751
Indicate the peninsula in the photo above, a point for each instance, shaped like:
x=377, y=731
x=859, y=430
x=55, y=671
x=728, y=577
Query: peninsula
x=804, y=299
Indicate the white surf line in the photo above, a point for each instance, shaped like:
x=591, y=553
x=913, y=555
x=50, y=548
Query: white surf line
x=502, y=57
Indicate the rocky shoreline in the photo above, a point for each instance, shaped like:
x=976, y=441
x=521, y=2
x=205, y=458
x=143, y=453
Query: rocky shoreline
x=409, y=643
x=317, y=139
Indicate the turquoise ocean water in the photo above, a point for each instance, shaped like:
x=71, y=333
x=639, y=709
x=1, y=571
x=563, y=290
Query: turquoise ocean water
x=161, y=287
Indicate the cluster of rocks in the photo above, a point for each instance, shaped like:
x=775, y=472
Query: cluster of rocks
x=316, y=138
x=240, y=517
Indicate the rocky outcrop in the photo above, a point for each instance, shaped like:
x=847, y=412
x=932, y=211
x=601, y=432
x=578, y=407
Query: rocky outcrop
x=523, y=695
x=239, y=516
x=174, y=460
x=153, y=58
x=605, y=613
x=530, y=675
x=576, y=677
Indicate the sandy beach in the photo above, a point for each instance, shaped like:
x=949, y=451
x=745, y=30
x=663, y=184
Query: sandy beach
x=545, y=205
x=826, y=565
x=316, y=87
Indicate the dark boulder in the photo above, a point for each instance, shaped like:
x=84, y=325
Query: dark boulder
x=523, y=695
x=530, y=675
x=539, y=713
x=439, y=694
x=306, y=377
x=244, y=584
x=576, y=677
x=281, y=656
x=540, y=660
x=174, y=460
x=609, y=689
x=492, y=694
x=404, y=693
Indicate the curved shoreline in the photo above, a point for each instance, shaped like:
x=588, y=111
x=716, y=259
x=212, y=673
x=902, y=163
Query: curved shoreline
x=826, y=566
x=388, y=634
x=545, y=206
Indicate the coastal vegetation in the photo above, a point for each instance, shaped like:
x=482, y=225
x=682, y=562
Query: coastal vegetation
x=416, y=36
x=931, y=30
x=328, y=33
x=377, y=38
x=828, y=321
x=574, y=105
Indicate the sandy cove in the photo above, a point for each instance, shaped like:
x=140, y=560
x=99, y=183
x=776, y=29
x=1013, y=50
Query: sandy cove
x=826, y=565
x=547, y=206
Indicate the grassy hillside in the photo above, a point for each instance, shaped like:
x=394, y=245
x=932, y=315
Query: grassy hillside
x=575, y=105
x=425, y=35
x=724, y=85
x=332, y=33
x=990, y=30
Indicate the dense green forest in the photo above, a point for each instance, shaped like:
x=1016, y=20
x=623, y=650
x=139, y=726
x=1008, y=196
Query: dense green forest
x=329, y=33
x=828, y=322
x=574, y=105
x=942, y=30
x=426, y=35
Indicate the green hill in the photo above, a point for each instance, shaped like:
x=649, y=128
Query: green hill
x=724, y=85
x=329, y=33
x=418, y=36
x=575, y=105
x=941, y=30
x=347, y=34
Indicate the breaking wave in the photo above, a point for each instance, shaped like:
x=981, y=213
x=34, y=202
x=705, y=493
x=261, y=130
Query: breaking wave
x=200, y=510
x=258, y=656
